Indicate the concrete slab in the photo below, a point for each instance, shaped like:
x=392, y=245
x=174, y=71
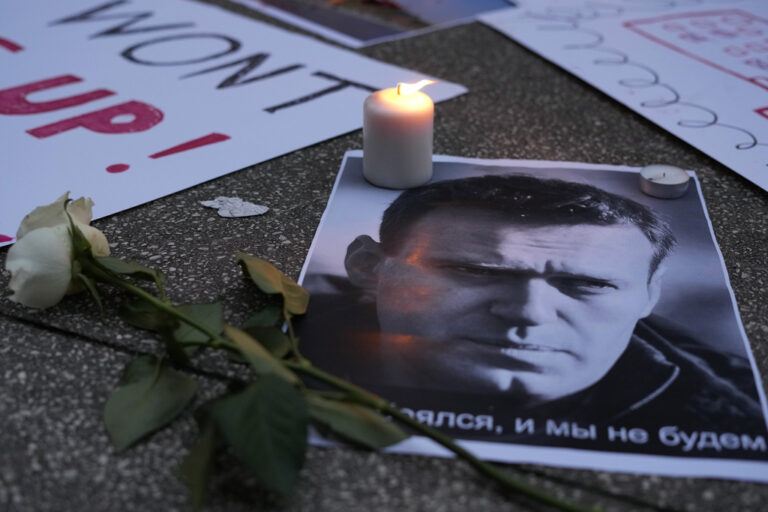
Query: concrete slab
x=58, y=365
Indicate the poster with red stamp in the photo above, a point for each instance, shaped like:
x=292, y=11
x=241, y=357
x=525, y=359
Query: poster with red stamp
x=127, y=101
x=698, y=69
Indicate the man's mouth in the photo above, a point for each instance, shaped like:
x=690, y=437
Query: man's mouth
x=516, y=339
x=508, y=345
x=532, y=347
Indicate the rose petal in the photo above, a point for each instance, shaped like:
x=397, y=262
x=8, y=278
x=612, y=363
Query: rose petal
x=81, y=210
x=41, y=266
x=99, y=244
x=44, y=216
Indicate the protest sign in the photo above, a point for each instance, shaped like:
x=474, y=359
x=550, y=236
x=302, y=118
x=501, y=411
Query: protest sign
x=130, y=100
x=697, y=69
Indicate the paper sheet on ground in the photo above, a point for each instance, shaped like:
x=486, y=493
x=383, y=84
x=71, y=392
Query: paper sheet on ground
x=488, y=321
x=697, y=69
x=365, y=23
x=129, y=101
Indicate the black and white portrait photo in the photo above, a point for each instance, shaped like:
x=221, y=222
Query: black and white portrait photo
x=538, y=306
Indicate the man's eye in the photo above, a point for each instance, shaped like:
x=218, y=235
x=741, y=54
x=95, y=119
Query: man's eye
x=467, y=270
x=583, y=286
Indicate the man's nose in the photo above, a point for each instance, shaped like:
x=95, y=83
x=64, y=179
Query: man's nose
x=530, y=302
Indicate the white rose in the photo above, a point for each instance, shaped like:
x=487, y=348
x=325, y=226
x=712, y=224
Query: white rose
x=40, y=261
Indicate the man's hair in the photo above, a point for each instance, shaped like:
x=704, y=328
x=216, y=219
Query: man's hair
x=525, y=200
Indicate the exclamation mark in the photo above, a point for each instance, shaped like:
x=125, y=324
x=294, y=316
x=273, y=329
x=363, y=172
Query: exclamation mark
x=10, y=45
x=206, y=140
x=211, y=138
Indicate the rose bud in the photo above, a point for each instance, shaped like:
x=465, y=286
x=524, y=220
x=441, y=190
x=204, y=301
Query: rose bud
x=40, y=261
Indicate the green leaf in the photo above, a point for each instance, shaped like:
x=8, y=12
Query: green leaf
x=235, y=357
x=258, y=357
x=91, y=286
x=197, y=466
x=146, y=316
x=174, y=332
x=132, y=268
x=179, y=354
x=148, y=396
x=210, y=316
x=272, y=338
x=267, y=317
x=270, y=280
x=261, y=326
x=354, y=422
x=266, y=426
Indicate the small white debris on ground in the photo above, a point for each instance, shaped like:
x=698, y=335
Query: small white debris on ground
x=235, y=207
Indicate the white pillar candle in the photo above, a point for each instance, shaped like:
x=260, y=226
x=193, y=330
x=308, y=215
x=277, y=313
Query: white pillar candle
x=664, y=181
x=397, y=136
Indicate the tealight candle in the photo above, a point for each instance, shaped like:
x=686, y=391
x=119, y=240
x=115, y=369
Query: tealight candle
x=664, y=181
x=397, y=136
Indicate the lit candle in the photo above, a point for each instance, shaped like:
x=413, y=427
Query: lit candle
x=397, y=136
x=664, y=181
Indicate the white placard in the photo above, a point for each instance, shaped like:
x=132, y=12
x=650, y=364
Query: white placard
x=94, y=94
x=698, y=69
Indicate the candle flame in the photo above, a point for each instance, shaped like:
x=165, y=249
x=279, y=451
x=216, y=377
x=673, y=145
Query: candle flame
x=403, y=88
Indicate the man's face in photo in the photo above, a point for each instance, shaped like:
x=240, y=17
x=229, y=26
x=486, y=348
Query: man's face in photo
x=472, y=301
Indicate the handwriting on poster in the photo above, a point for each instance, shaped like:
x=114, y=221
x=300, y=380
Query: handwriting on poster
x=697, y=71
x=213, y=51
x=731, y=40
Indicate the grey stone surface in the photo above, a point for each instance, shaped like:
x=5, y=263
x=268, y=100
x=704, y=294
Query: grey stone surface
x=57, y=365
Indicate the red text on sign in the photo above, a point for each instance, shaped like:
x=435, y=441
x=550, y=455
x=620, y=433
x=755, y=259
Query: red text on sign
x=144, y=117
x=14, y=101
